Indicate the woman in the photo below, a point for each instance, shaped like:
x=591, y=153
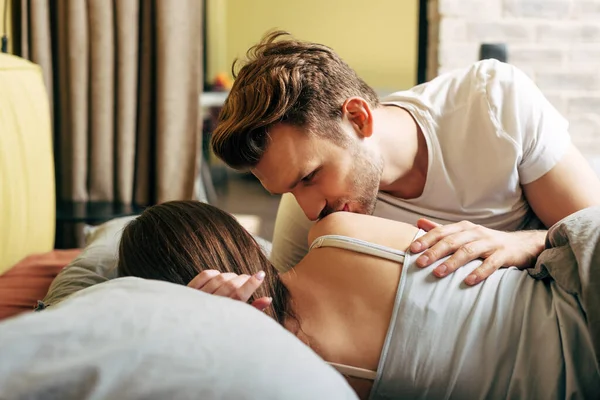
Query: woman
x=360, y=303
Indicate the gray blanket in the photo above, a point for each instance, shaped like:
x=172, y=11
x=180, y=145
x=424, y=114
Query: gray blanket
x=137, y=339
x=572, y=259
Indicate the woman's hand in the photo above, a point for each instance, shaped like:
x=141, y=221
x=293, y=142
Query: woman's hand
x=467, y=242
x=234, y=286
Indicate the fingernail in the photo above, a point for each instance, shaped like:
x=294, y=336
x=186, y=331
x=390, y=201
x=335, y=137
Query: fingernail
x=260, y=275
x=416, y=246
x=422, y=261
x=441, y=270
x=268, y=304
x=471, y=279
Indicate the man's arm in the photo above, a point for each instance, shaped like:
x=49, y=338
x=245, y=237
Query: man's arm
x=570, y=186
x=290, y=234
x=555, y=179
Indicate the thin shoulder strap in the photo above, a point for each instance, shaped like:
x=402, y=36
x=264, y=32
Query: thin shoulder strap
x=354, y=371
x=359, y=246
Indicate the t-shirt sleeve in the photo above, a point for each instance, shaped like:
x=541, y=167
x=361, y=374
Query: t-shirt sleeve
x=290, y=237
x=526, y=117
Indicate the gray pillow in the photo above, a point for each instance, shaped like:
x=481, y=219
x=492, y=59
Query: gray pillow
x=98, y=260
x=131, y=338
x=96, y=263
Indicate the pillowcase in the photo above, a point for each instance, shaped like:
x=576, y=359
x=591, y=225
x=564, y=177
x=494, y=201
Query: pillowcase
x=96, y=264
x=27, y=282
x=131, y=338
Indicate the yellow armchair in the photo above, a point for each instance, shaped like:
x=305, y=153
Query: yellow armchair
x=27, y=188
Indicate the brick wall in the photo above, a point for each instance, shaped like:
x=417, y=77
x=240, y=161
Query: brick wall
x=556, y=42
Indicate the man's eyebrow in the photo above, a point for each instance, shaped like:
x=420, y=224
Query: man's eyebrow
x=301, y=175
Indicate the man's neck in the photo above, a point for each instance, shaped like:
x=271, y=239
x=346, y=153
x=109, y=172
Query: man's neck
x=404, y=152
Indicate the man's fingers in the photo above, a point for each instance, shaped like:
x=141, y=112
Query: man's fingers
x=447, y=245
x=262, y=303
x=436, y=234
x=489, y=266
x=465, y=242
x=202, y=278
x=426, y=224
x=249, y=287
x=230, y=287
x=468, y=251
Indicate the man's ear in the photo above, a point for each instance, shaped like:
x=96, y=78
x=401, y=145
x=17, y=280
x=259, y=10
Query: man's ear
x=359, y=114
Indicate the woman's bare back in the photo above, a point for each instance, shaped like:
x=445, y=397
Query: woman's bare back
x=343, y=299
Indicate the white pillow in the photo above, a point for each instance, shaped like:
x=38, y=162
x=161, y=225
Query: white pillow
x=131, y=338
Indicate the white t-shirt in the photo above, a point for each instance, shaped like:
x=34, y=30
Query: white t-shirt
x=488, y=130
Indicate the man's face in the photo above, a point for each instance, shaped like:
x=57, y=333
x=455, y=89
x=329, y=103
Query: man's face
x=323, y=176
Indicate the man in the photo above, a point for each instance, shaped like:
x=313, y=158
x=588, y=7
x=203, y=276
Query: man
x=480, y=144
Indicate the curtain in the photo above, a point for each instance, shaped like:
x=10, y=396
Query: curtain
x=124, y=78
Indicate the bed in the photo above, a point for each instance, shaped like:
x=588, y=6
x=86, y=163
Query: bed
x=97, y=336
x=70, y=329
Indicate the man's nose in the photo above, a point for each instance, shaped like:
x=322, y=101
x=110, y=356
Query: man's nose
x=311, y=202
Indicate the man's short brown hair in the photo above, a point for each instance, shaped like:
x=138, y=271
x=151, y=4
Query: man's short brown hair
x=298, y=83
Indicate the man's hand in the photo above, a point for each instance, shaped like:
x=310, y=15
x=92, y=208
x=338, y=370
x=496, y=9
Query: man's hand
x=237, y=287
x=469, y=242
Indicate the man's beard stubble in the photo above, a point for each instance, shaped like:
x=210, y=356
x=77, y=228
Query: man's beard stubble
x=368, y=183
x=366, y=176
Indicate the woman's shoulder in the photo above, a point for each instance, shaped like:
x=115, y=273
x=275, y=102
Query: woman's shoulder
x=369, y=228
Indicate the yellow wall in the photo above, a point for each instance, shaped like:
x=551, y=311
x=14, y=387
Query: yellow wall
x=8, y=25
x=379, y=39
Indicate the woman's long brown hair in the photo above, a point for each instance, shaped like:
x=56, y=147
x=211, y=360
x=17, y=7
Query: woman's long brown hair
x=175, y=241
